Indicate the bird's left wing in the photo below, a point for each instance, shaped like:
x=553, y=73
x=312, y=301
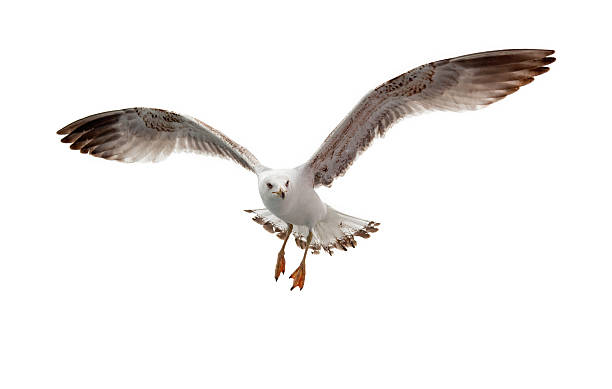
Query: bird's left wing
x=462, y=83
x=149, y=134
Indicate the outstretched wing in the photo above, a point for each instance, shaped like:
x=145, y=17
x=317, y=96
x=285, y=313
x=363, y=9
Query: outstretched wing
x=149, y=134
x=462, y=83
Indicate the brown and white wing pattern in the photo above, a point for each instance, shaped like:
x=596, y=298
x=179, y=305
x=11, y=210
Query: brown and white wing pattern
x=149, y=134
x=463, y=83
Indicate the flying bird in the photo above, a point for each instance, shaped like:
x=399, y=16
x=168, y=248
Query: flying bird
x=292, y=206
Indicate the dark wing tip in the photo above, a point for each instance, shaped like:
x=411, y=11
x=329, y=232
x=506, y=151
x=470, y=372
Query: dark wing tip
x=548, y=60
x=93, y=134
x=541, y=70
x=504, y=57
x=88, y=120
x=65, y=139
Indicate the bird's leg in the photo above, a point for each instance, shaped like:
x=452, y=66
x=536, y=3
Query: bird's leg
x=299, y=275
x=280, y=262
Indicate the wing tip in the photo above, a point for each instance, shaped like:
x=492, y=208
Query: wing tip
x=539, y=71
x=548, y=60
x=65, y=139
x=505, y=57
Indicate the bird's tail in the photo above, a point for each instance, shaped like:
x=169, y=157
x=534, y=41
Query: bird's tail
x=336, y=231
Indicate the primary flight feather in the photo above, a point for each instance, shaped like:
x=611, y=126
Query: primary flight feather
x=291, y=204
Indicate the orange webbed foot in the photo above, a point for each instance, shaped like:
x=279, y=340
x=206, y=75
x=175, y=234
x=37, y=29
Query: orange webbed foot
x=280, y=265
x=299, y=276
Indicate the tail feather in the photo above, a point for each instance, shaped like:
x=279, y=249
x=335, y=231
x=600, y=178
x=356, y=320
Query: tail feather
x=269, y=222
x=336, y=231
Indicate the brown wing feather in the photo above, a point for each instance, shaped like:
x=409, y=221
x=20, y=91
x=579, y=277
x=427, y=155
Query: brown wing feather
x=463, y=83
x=148, y=134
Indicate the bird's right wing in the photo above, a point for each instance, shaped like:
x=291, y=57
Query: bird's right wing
x=149, y=134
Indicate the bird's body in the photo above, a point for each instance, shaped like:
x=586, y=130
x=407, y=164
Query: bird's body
x=302, y=208
x=292, y=206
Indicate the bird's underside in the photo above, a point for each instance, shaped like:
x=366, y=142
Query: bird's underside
x=463, y=83
x=336, y=231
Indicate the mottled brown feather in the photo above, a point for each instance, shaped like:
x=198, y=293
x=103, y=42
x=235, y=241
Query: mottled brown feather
x=148, y=134
x=463, y=83
x=342, y=243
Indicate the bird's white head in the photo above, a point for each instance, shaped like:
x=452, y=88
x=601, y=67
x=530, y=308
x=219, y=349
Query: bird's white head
x=275, y=185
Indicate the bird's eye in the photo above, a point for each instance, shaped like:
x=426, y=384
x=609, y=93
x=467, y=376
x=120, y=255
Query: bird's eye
x=287, y=184
x=269, y=185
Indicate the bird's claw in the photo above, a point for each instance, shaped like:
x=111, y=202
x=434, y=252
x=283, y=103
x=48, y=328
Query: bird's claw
x=280, y=265
x=299, y=276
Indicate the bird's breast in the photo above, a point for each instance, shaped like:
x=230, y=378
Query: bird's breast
x=298, y=208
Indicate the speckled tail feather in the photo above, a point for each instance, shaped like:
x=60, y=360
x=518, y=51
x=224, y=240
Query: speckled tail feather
x=336, y=231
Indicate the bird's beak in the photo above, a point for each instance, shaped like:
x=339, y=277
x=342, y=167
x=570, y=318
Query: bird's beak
x=280, y=193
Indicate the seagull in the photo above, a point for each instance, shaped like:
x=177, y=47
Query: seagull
x=292, y=206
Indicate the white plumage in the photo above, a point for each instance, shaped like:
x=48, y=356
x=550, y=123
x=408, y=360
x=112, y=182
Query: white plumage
x=291, y=204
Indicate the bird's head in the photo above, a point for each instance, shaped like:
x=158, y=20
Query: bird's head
x=275, y=186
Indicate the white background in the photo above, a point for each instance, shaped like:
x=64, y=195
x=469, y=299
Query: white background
x=492, y=267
